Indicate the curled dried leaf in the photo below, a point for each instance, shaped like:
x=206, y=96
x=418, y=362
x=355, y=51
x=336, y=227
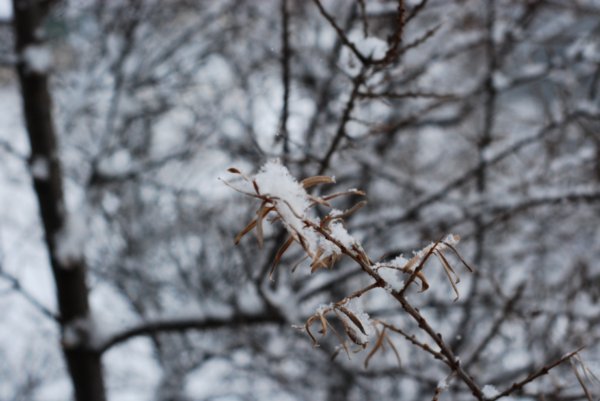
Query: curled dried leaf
x=469, y=268
x=424, y=282
x=353, y=336
x=316, y=200
x=324, y=324
x=317, y=180
x=279, y=255
x=262, y=212
x=307, y=329
x=449, y=272
x=245, y=231
x=353, y=318
x=344, y=193
x=378, y=345
x=393, y=347
x=350, y=211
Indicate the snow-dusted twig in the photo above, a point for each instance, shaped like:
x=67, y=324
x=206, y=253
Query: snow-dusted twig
x=325, y=241
x=541, y=372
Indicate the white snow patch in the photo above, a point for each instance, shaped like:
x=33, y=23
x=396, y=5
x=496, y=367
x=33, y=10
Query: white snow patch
x=588, y=106
x=119, y=163
x=489, y=391
x=292, y=204
x=70, y=240
x=356, y=309
x=40, y=168
x=500, y=81
x=339, y=233
x=249, y=300
x=37, y=58
x=275, y=180
x=5, y=10
x=500, y=32
x=392, y=279
x=323, y=308
x=451, y=239
x=83, y=330
x=533, y=69
x=372, y=47
x=443, y=384
x=399, y=262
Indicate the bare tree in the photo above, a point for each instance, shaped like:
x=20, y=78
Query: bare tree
x=478, y=118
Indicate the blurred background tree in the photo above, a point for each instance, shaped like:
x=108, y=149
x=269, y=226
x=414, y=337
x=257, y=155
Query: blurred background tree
x=475, y=117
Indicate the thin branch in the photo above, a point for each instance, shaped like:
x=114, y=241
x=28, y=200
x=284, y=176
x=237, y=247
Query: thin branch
x=286, y=55
x=495, y=329
x=17, y=287
x=420, y=40
x=184, y=324
x=409, y=94
x=364, y=60
x=415, y=11
x=472, y=172
x=8, y=148
x=393, y=51
x=541, y=372
x=341, y=130
x=413, y=340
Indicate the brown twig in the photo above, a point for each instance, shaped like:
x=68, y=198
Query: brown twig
x=364, y=60
x=541, y=372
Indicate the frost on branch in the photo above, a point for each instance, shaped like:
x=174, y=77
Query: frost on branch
x=286, y=200
x=37, y=58
x=324, y=240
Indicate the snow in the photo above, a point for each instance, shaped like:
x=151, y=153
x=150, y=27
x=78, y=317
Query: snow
x=392, y=279
x=249, y=300
x=368, y=47
x=451, y=239
x=500, y=31
x=323, y=308
x=391, y=271
x=118, y=163
x=399, y=262
x=588, y=106
x=489, y=391
x=356, y=309
x=339, y=233
x=372, y=47
x=5, y=9
x=500, y=80
x=37, y=58
x=533, y=69
x=40, y=168
x=292, y=203
x=84, y=330
x=275, y=180
x=70, y=240
x=443, y=384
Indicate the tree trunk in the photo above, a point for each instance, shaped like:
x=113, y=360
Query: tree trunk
x=69, y=273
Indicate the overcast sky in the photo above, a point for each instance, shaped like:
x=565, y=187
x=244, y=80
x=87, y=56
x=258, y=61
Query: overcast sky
x=5, y=9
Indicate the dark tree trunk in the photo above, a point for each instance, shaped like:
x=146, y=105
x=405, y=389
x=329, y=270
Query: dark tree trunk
x=69, y=274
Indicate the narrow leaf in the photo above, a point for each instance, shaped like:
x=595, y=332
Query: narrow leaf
x=376, y=347
x=353, y=317
x=317, y=180
x=245, y=231
x=469, y=268
x=394, y=349
x=447, y=270
x=279, y=254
